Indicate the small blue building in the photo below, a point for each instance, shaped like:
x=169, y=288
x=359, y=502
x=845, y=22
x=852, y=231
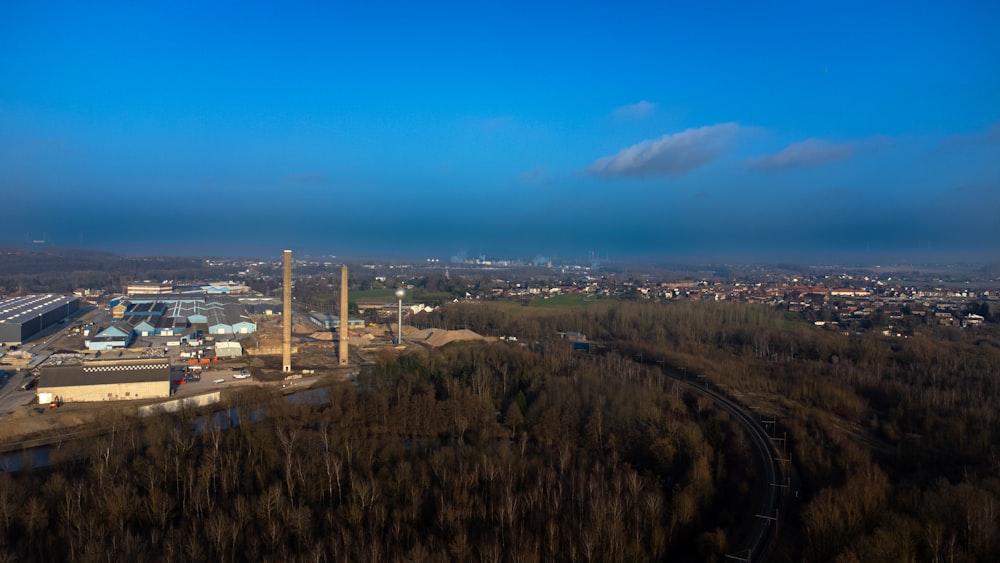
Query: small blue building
x=116, y=336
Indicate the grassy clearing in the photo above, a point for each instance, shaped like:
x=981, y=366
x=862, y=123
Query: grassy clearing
x=369, y=295
x=540, y=307
x=787, y=323
x=566, y=300
x=388, y=295
x=432, y=297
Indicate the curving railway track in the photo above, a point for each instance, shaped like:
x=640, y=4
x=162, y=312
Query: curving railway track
x=760, y=541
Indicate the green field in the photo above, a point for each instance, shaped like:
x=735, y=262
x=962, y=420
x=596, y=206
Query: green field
x=540, y=306
x=567, y=300
x=385, y=294
x=388, y=295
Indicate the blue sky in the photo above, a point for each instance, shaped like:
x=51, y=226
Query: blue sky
x=507, y=129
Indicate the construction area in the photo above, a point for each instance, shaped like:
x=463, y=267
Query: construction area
x=315, y=350
x=301, y=347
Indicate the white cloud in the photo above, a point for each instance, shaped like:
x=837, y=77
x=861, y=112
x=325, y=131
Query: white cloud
x=671, y=154
x=990, y=136
x=529, y=176
x=811, y=152
x=637, y=110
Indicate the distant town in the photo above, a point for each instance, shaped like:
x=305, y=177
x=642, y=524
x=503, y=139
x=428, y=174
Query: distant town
x=894, y=300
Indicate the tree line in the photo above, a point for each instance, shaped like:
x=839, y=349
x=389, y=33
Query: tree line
x=57, y=270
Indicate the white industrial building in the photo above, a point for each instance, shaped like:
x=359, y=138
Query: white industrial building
x=115, y=380
x=228, y=350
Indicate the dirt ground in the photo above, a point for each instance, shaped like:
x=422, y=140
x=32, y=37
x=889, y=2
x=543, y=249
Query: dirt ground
x=317, y=349
x=37, y=420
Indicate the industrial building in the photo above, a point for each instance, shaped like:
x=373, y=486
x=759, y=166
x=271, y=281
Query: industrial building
x=173, y=315
x=23, y=317
x=168, y=287
x=266, y=306
x=328, y=321
x=149, y=288
x=324, y=320
x=219, y=314
x=105, y=381
x=118, y=335
x=228, y=349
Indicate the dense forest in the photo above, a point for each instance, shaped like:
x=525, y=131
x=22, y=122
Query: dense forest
x=475, y=452
x=894, y=442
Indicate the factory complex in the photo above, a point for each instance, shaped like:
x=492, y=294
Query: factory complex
x=150, y=328
x=221, y=315
x=180, y=317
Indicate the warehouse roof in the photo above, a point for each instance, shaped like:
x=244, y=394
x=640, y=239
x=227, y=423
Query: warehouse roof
x=146, y=308
x=170, y=298
x=215, y=310
x=102, y=373
x=153, y=320
x=23, y=309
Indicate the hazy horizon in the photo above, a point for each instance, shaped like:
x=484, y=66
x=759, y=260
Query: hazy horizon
x=274, y=252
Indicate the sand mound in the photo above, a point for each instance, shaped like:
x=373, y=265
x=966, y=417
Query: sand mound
x=436, y=337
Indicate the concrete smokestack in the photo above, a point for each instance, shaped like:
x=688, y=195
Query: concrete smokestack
x=286, y=320
x=342, y=354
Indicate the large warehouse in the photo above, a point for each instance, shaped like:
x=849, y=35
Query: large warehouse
x=117, y=380
x=23, y=317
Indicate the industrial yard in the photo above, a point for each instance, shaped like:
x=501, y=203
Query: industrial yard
x=159, y=345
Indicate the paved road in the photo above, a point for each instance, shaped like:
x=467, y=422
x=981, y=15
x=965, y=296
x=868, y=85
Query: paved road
x=42, y=346
x=11, y=395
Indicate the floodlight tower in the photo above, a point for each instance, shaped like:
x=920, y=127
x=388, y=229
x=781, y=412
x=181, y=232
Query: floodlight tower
x=400, y=293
